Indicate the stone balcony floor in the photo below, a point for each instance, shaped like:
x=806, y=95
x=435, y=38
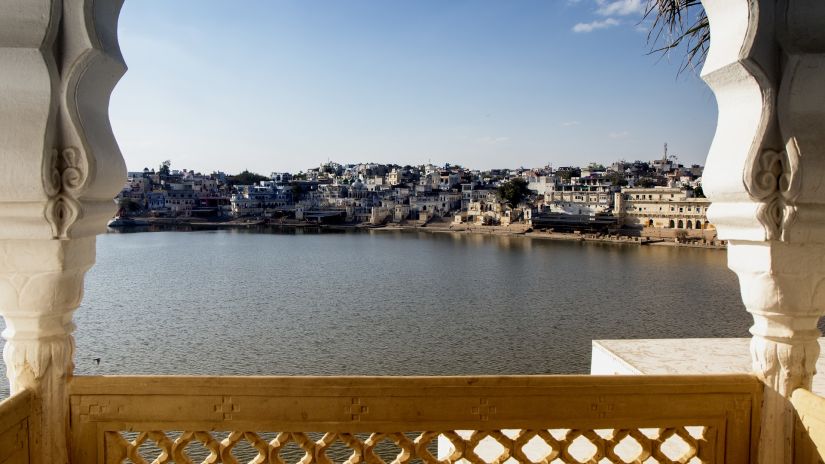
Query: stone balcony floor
x=682, y=356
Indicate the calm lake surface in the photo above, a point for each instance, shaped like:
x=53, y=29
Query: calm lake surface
x=381, y=302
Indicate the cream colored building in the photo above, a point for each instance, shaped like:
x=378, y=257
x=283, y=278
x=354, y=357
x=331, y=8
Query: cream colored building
x=661, y=208
x=486, y=211
x=394, y=177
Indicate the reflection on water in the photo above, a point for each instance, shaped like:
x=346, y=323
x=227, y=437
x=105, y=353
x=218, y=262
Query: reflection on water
x=382, y=302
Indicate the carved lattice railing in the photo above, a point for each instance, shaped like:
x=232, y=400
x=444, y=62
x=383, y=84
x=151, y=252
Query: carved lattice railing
x=16, y=428
x=538, y=419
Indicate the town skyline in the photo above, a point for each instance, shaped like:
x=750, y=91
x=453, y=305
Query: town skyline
x=657, y=200
x=522, y=167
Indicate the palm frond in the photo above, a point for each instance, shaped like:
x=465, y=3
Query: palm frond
x=676, y=24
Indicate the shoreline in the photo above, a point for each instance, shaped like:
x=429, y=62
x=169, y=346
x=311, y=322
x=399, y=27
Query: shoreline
x=504, y=231
x=516, y=230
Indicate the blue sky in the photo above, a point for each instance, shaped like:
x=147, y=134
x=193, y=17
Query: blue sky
x=287, y=84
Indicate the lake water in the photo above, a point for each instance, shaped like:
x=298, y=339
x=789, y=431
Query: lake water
x=381, y=302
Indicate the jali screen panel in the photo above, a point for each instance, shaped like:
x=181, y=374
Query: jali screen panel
x=539, y=419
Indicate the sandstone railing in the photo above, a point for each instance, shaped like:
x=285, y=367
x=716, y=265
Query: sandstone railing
x=809, y=430
x=16, y=429
x=538, y=419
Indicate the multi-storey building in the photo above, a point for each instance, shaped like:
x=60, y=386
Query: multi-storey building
x=585, y=196
x=448, y=180
x=434, y=203
x=180, y=199
x=540, y=185
x=156, y=201
x=394, y=177
x=662, y=208
x=257, y=199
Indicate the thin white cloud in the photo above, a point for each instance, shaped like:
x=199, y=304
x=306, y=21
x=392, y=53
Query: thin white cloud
x=570, y=123
x=488, y=140
x=619, y=135
x=594, y=25
x=620, y=7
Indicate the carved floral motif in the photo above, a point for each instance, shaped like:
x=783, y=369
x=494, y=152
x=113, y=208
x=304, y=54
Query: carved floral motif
x=65, y=176
x=28, y=360
x=771, y=182
x=785, y=366
x=39, y=338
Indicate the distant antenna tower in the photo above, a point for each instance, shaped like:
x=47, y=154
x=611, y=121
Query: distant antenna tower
x=664, y=158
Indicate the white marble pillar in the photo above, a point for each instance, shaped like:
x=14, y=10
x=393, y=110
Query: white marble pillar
x=765, y=175
x=61, y=167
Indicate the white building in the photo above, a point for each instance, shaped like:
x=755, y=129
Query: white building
x=256, y=200
x=581, y=197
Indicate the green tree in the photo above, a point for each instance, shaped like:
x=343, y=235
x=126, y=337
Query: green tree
x=129, y=206
x=245, y=178
x=514, y=191
x=164, y=168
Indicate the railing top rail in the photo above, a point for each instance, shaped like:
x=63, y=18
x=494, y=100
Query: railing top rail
x=17, y=425
x=15, y=408
x=269, y=385
x=809, y=410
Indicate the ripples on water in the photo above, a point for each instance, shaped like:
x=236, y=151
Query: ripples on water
x=381, y=302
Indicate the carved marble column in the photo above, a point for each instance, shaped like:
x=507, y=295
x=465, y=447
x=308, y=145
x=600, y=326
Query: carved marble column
x=765, y=175
x=61, y=167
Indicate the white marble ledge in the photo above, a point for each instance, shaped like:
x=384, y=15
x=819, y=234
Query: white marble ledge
x=681, y=356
